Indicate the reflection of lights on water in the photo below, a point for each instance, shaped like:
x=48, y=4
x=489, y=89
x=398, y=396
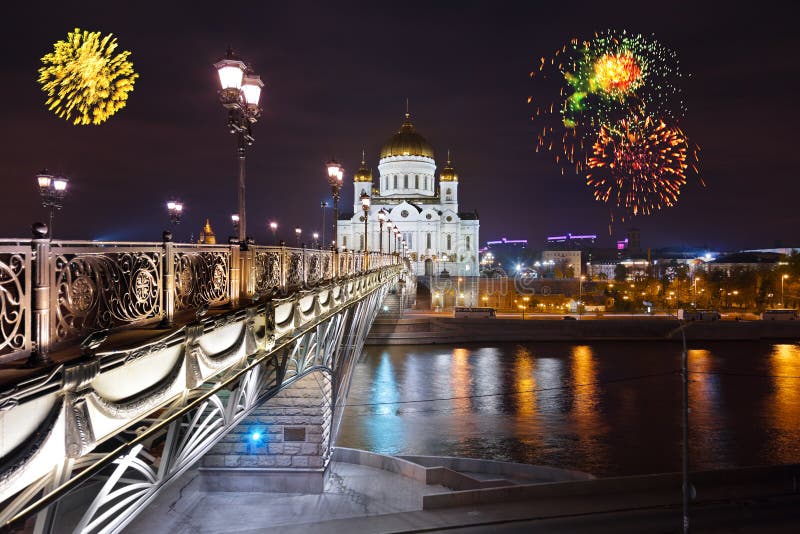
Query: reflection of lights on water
x=524, y=382
x=384, y=391
x=584, y=378
x=785, y=405
x=384, y=428
x=460, y=378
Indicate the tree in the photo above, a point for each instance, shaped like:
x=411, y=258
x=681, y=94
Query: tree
x=620, y=273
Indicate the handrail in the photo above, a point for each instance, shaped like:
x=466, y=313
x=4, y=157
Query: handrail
x=84, y=286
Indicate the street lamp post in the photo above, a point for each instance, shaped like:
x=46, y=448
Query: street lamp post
x=381, y=219
x=324, y=206
x=297, y=232
x=389, y=236
x=274, y=227
x=240, y=94
x=52, y=189
x=315, y=235
x=396, y=231
x=580, y=293
x=784, y=277
x=365, y=202
x=335, y=175
x=235, y=222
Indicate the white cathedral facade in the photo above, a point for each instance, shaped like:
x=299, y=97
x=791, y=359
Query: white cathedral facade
x=439, y=236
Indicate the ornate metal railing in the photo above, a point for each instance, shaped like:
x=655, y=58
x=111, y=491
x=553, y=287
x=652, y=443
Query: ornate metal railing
x=201, y=276
x=15, y=298
x=95, y=286
x=54, y=292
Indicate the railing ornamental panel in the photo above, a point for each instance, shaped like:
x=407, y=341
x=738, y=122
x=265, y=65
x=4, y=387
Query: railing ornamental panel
x=201, y=276
x=97, y=286
x=15, y=296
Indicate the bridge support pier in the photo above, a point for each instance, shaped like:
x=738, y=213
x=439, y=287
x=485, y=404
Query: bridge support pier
x=282, y=446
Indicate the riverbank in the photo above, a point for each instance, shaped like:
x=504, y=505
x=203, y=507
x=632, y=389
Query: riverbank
x=427, y=330
x=367, y=492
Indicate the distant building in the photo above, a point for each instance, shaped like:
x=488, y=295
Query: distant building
x=207, y=236
x=751, y=261
x=571, y=242
x=569, y=262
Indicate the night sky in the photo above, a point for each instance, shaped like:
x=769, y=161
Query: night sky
x=337, y=75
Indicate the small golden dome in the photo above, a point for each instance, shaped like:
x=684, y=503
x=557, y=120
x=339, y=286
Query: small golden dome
x=363, y=174
x=448, y=174
x=207, y=236
x=407, y=142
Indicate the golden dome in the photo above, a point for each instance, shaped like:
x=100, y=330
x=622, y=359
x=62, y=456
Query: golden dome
x=207, y=236
x=448, y=174
x=363, y=174
x=407, y=142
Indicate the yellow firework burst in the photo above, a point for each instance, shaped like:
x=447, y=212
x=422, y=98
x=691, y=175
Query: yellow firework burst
x=85, y=81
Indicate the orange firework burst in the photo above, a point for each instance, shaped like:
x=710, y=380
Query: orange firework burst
x=640, y=164
x=617, y=74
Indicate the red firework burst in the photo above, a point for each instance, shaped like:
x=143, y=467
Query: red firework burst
x=640, y=164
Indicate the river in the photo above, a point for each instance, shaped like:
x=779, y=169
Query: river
x=607, y=408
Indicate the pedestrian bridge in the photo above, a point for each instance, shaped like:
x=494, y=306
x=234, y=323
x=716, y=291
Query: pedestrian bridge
x=123, y=364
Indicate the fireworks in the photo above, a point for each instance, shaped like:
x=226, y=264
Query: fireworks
x=614, y=99
x=85, y=81
x=640, y=163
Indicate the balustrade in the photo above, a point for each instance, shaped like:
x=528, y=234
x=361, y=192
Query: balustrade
x=54, y=292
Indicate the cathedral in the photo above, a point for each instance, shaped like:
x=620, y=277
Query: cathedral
x=440, y=238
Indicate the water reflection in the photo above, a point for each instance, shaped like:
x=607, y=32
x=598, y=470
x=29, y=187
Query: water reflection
x=524, y=383
x=384, y=428
x=609, y=408
x=703, y=397
x=783, y=406
x=584, y=380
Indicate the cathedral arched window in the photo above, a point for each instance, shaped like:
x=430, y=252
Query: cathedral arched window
x=395, y=181
x=467, y=242
x=405, y=182
x=426, y=183
x=449, y=242
x=428, y=241
x=344, y=241
x=449, y=194
x=416, y=181
x=361, y=241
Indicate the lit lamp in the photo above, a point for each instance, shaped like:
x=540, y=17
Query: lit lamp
x=297, y=232
x=335, y=175
x=240, y=92
x=52, y=189
x=175, y=210
x=235, y=222
x=365, y=202
x=396, y=231
x=273, y=226
x=315, y=235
